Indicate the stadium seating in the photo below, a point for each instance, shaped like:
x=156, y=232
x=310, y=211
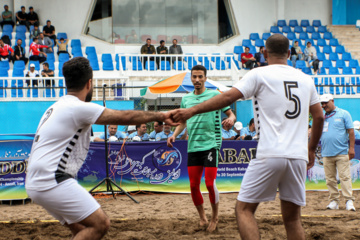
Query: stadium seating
x=281, y=23
x=316, y=23
x=333, y=57
x=165, y=66
x=246, y=43
x=61, y=35
x=315, y=35
x=346, y=56
x=238, y=50
x=328, y=35
x=107, y=62
x=322, y=29
x=63, y=57
x=304, y=23
x=340, y=49
x=310, y=29
x=4, y=65
x=286, y=29
x=274, y=29
x=300, y=64
x=334, y=42
x=291, y=36
x=293, y=23
x=298, y=29
x=254, y=36
x=265, y=36
x=151, y=65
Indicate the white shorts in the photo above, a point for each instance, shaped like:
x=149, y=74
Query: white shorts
x=68, y=202
x=264, y=176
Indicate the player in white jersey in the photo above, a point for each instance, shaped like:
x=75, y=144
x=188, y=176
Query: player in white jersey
x=282, y=97
x=60, y=147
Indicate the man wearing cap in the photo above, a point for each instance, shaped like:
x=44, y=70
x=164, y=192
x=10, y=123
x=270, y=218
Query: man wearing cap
x=7, y=17
x=337, y=132
x=237, y=128
x=21, y=16
x=32, y=18
x=32, y=73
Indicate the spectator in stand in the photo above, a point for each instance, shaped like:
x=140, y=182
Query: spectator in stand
x=32, y=73
x=147, y=49
x=35, y=51
x=248, y=131
x=4, y=51
x=32, y=18
x=62, y=46
x=131, y=129
x=226, y=132
x=49, y=31
x=296, y=53
x=45, y=41
x=310, y=55
x=158, y=128
x=19, y=52
x=140, y=132
x=237, y=128
x=164, y=134
x=161, y=50
x=260, y=59
x=112, y=132
x=175, y=49
x=46, y=72
x=7, y=17
x=35, y=32
x=21, y=17
x=132, y=38
x=338, y=132
x=357, y=128
x=247, y=59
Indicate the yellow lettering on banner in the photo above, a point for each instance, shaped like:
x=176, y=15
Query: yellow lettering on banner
x=230, y=155
x=243, y=156
x=18, y=167
x=5, y=168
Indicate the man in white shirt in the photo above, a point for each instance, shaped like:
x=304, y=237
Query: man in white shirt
x=282, y=97
x=60, y=147
x=32, y=73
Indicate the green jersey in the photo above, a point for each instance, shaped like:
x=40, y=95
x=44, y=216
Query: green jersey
x=204, y=129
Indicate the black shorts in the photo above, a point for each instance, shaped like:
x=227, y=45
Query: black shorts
x=208, y=158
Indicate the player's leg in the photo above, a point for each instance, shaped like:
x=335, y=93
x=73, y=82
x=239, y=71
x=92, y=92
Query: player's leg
x=246, y=221
x=195, y=174
x=291, y=214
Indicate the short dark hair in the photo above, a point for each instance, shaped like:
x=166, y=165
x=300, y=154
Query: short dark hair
x=61, y=39
x=175, y=39
x=35, y=38
x=296, y=41
x=46, y=64
x=251, y=121
x=77, y=73
x=248, y=137
x=199, y=67
x=48, y=21
x=148, y=39
x=161, y=41
x=261, y=47
x=138, y=126
x=308, y=43
x=31, y=7
x=277, y=44
x=160, y=123
x=247, y=48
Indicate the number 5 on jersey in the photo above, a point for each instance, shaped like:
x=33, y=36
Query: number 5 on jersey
x=294, y=98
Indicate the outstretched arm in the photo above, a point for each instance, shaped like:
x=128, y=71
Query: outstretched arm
x=215, y=103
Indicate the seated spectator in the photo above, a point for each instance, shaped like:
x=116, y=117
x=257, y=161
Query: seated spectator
x=140, y=132
x=161, y=50
x=357, y=128
x=114, y=36
x=46, y=72
x=175, y=49
x=310, y=54
x=5, y=50
x=226, y=132
x=147, y=49
x=32, y=18
x=32, y=73
x=35, y=51
x=45, y=41
x=112, y=132
x=35, y=32
x=260, y=59
x=19, y=52
x=49, y=31
x=132, y=38
x=131, y=129
x=158, y=128
x=21, y=16
x=248, y=131
x=183, y=135
x=7, y=17
x=237, y=128
x=296, y=53
x=247, y=59
x=164, y=134
x=62, y=45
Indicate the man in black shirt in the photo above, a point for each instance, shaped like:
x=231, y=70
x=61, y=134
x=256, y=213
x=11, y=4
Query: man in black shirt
x=161, y=50
x=32, y=18
x=49, y=31
x=21, y=16
x=46, y=72
x=19, y=52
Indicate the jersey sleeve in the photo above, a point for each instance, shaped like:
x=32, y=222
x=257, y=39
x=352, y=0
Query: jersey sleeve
x=182, y=104
x=247, y=85
x=314, y=98
x=348, y=120
x=243, y=132
x=88, y=113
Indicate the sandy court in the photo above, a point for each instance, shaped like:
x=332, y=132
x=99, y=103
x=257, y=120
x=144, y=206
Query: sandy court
x=173, y=216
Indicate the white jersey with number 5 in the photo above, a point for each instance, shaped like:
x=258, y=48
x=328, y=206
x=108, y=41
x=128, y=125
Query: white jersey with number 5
x=281, y=98
x=61, y=142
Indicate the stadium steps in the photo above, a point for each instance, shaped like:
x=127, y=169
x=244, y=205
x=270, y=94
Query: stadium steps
x=349, y=36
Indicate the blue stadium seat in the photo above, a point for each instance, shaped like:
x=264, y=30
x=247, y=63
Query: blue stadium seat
x=165, y=66
x=19, y=64
x=137, y=66
x=89, y=50
x=4, y=73
x=252, y=50
x=265, y=36
x=220, y=65
x=340, y=49
x=293, y=23
x=192, y=62
x=94, y=64
x=106, y=57
x=306, y=70
x=347, y=70
x=7, y=28
x=76, y=53
x=303, y=36
x=207, y=65
x=304, y=23
x=333, y=57
x=286, y=29
x=326, y=64
x=9, y=34
x=315, y=35
x=17, y=83
x=75, y=43
x=259, y=43
x=281, y=23
x=4, y=65
x=246, y=43
x=300, y=64
x=334, y=42
x=123, y=63
x=321, y=42
x=340, y=64
x=3, y=82
x=60, y=66
x=354, y=64
x=107, y=62
x=50, y=57
x=357, y=70
x=316, y=23
x=274, y=29
x=289, y=62
x=291, y=36
x=328, y=35
x=254, y=36
x=63, y=57
x=298, y=29
x=327, y=49
x=215, y=59
x=36, y=63
x=179, y=65
x=333, y=71
x=322, y=29
x=321, y=56
x=322, y=71
x=61, y=35
x=21, y=28
x=346, y=56
x=310, y=29
x=238, y=50
x=202, y=58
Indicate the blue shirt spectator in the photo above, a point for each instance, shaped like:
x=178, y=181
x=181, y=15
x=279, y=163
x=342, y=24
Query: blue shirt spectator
x=249, y=130
x=158, y=128
x=228, y=135
x=112, y=131
x=357, y=134
x=163, y=135
x=118, y=135
x=143, y=137
x=140, y=132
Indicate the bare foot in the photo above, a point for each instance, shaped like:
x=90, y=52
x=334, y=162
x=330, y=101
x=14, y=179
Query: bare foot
x=212, y=225
x=203, y=222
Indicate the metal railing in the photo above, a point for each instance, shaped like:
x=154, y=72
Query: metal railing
x=345, y=85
